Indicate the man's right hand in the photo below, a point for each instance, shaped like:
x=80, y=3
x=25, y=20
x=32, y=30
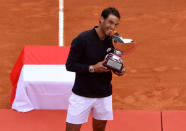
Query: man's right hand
x=99, y=67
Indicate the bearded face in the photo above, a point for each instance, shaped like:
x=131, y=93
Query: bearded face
x=109, y=24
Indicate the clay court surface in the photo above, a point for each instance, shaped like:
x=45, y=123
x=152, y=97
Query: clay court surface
x=155, y=77
x=53, y=120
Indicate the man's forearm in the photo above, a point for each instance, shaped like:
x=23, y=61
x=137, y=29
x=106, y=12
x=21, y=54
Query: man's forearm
x=76, y=67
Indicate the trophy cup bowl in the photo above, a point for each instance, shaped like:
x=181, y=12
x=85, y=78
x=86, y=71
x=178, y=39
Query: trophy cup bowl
x=122, y=46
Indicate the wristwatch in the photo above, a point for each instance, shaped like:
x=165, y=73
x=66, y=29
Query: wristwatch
x=91, y=69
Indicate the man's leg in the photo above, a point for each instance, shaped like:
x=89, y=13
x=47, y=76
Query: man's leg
x=73, y=127
x=102, y=111
x=99, y=125
x=78, y=111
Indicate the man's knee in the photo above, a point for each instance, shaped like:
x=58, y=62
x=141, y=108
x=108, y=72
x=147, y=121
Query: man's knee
x=73, y=127
x=99, y=125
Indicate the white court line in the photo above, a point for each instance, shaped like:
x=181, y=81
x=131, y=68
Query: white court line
x=61, y=22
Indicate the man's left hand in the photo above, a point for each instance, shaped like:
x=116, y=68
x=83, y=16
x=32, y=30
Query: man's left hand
x=120, y=73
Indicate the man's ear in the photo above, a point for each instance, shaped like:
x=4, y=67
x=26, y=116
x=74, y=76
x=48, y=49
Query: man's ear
x=101, y=19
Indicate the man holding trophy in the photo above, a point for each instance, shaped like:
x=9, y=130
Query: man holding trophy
x=93, y=56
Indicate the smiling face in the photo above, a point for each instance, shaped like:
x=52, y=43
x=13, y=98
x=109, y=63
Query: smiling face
x=109, y=24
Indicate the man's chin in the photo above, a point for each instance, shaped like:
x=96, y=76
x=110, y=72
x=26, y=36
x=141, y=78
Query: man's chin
x=107, y=34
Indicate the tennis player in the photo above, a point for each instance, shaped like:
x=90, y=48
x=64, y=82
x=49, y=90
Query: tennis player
x=92, y=90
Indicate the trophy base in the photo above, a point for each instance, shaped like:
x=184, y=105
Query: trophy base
x=114, y=65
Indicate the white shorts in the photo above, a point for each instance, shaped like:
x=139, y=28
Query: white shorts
x=80, y=107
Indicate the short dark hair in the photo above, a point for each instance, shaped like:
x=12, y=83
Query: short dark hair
x=110, y=10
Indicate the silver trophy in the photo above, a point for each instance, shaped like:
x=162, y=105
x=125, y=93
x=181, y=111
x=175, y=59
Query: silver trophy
x=122, y=46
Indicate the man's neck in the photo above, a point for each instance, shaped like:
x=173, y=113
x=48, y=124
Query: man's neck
x=100, y=33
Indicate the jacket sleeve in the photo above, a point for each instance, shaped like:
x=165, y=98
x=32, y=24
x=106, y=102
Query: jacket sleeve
x=75, y=55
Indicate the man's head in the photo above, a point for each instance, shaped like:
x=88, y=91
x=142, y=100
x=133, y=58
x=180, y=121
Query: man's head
x=109, y=20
